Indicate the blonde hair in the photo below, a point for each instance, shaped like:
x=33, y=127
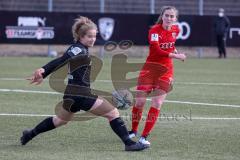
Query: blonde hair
x=163, y=9
x=81, y=26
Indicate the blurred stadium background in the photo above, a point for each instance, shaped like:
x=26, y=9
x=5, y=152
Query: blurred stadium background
x=199, y=39
x=200, y=118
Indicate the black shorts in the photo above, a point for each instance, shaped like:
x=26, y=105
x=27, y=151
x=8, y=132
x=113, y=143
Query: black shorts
x=78, y=98
x=77, y=103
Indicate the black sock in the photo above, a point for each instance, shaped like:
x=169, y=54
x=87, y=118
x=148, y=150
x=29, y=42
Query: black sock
x=120, y=129
x=44, y=126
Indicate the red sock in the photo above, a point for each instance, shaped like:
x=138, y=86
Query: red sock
x=136, y=117
x=150, y=121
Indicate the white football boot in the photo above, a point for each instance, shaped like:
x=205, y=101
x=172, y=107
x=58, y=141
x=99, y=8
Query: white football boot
x=143, y=140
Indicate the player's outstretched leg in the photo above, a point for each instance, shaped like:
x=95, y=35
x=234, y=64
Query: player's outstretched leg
x=103, y=108
x=118, y=126
x=47, y=124
x=50, y=123
x=43, y=126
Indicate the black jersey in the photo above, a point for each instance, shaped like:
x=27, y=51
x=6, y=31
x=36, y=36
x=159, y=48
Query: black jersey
x=78, y=60
x=77, y=94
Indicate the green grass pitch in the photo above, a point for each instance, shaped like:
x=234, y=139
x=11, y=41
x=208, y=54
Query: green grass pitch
x=199, y=121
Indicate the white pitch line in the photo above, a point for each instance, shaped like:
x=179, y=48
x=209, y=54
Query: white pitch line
x=209, y=84
x=25, y=115
x=12, y=79
x=215, y=118
x=169, y=118
x=187, y=83
x=183, y=83
x=28, y=91
x=204, y=104
x=166, y=101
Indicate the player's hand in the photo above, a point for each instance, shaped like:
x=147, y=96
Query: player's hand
x=180, y=56
x=37, y=77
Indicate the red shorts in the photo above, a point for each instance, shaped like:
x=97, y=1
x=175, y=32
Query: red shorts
x=157, y=77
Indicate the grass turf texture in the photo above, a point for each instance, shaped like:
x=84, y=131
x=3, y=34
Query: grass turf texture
x=183, y=137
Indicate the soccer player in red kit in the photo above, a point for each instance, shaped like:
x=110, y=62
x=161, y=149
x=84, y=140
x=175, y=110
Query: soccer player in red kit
x=156, y=80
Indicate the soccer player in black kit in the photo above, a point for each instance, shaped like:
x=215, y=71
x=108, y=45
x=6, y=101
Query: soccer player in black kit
x=77, y=95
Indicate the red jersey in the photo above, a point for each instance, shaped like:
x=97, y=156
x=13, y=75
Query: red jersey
x=161, y=43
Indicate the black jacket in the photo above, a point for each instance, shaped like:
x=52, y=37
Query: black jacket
x=221, y=25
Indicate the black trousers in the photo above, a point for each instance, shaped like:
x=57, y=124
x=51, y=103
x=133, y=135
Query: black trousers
x=221, y=44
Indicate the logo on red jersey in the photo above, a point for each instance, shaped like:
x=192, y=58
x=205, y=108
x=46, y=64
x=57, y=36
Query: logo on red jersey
x=154, y=37
x=167, y=45
x=174, y=35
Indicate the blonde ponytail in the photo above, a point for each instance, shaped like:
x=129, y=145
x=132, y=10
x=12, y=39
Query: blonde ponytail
x=81, y=26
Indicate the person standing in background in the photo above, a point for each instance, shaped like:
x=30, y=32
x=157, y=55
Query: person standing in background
x=221, y=28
